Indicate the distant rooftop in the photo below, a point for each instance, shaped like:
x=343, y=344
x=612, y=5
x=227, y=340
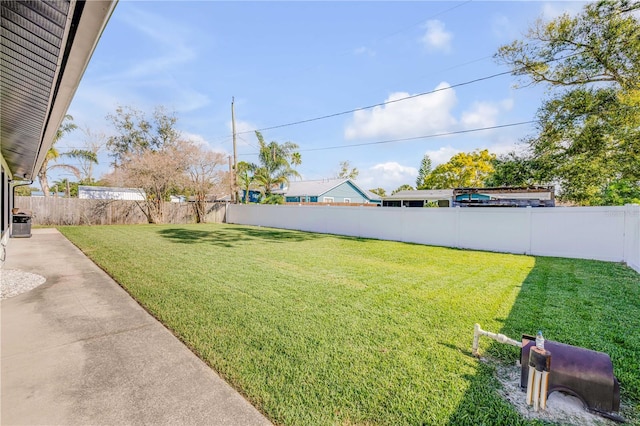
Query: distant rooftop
x=318, y=187
x=422, y=194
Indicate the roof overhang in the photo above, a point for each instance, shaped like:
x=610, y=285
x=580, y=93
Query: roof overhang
x=45, y=49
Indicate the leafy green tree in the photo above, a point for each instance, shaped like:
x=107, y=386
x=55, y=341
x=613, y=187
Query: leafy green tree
x=513, y=169
x=588, y=132
x=276, y=166
x=53, y=155
x=346, y=172
x=24, y=191
x=621, y=192
x=425, y=169
x=245, y=178
x=69, y=188
x=405, y=187
x=136, y=134
x=379, y=192
x=272, y=199
x=462, y=170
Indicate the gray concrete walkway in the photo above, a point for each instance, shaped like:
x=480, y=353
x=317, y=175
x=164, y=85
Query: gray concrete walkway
x=79, y=350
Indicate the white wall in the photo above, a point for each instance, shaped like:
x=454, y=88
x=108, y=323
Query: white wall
x=602, y=233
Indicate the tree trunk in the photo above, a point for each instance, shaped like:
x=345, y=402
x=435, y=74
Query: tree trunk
x=199, y=210
x=44, y=183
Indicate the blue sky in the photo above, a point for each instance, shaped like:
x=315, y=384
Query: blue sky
x=285, y=62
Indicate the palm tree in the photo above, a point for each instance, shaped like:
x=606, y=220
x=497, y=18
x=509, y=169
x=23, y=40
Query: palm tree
x=275, y=167
x=245, y=178
x=53, y=154
x=69, y=188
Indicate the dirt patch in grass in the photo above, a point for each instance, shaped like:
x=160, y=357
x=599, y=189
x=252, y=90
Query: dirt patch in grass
x=561, y=408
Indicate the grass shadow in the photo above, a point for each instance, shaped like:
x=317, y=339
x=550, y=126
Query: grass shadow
x=233, y=236
x=584, y=303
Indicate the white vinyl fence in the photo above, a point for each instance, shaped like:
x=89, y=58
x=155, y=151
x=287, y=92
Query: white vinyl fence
x=602, y=233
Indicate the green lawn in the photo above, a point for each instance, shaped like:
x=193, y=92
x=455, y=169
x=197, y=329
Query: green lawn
x=322, y=329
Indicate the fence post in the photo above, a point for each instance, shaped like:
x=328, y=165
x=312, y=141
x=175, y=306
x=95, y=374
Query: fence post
x=530, y=228
x=456, y=224
x=631, y=236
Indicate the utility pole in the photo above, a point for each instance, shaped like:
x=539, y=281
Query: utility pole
x=234, y=177
x=231, y=180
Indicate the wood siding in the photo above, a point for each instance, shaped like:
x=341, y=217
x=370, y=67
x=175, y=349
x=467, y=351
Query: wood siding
x=74, y=211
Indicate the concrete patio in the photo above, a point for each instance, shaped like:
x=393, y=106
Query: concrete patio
x=79, y=350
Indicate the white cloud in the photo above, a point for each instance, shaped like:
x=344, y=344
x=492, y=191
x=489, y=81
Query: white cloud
x=481, y=114
x=422, y=116
x=365, y=51
x=201, y=141
x=436, y=38
x=195, y=138
x=507, y=104
x=412, y=117
x=442, y=154
x=245, y=131
x=388, y=175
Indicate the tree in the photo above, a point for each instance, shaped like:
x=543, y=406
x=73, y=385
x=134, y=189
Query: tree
x=514, y=169
x=53, y=155
x=425, y=169
x=94, y=143
x=204, y=175
x=275, y=168
x=379, y=191
x=405, y=187
x=24, y=191
x=462, y=170
x=347, y=173
x=245, y=178
x=149, y=155
x=621, y=192
x=588, y=131
x=70, y=188
x=136, y=134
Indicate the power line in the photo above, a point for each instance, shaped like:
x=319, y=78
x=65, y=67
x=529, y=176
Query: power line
x=423, y=20
x=435, y=135
x=378, y=104
x=465, y=83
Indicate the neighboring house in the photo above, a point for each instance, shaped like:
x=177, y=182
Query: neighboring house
x=254, y=196
x=419, y=198
x=534, y=196
x=177, y=198
x=328, y=191
x=507, y=196
x=110, y=193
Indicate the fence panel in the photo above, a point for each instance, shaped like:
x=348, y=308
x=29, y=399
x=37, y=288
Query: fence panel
x=75, y=211
x=602, y=233
x=581, y=232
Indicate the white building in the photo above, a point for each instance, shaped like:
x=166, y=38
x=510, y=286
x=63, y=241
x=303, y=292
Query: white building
x=110, y=193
